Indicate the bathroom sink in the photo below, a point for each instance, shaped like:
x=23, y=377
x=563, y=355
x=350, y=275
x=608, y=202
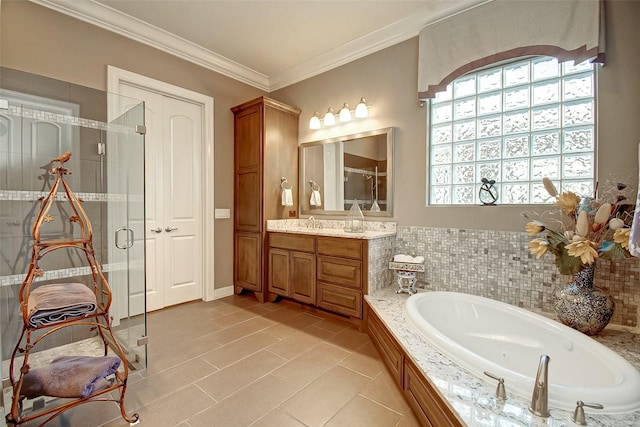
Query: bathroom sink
x=482, y=334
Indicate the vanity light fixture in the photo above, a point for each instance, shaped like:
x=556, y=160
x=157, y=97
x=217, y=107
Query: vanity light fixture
x=314, y=123
x=362, y=110
x=344, y=115
x=329, y=118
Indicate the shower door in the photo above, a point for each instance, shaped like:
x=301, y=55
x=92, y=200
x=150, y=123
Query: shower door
x=124, y=161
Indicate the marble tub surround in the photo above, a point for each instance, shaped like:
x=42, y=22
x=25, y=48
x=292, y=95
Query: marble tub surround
x=498, y=265
x=333, y=228
x=473, y=398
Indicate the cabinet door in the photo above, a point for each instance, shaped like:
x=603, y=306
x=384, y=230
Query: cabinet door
x=387, y=346
x=303, y=277
x=279, y=271
x=427, y=404
x=248, y=169
x=247, y=261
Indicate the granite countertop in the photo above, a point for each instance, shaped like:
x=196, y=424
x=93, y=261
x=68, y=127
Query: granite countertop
x=474, y=399
x=332, y=228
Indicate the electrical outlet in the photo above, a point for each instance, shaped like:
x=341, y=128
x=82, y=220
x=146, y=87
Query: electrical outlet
x=292, y=214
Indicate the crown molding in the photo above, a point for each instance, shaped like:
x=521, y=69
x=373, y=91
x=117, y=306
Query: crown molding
x=110, y=19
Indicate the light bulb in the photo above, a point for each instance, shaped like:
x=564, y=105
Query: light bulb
x=314, y=123
x=345, y=114
x=361, y=109
x=329, y=118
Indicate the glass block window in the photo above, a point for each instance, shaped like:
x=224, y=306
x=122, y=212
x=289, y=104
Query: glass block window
x=515, y=123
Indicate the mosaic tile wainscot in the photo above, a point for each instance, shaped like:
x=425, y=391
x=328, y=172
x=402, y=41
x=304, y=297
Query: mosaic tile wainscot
x=498, y=265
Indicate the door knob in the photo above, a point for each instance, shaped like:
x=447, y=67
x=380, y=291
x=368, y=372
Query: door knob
x=157, y=229
x=170, y=229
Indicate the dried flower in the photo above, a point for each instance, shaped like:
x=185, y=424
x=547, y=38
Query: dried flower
x=616, y=223
x=584, y=249
x=602, y=216
x=568, y=202
x=591, y=229
x=534, y=227
x=538, y=247
x=621, y=236
x=548, y=185
x=582, y=224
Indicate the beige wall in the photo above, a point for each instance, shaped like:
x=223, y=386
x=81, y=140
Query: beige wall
x=388, y=79
x=39, y=41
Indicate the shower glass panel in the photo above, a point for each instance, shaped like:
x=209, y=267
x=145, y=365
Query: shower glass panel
x=41, y=118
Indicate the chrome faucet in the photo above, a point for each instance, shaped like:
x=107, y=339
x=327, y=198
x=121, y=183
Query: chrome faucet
x=539, y=399
x=311, y=222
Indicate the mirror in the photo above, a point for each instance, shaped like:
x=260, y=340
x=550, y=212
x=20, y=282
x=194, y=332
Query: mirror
x=335, y=172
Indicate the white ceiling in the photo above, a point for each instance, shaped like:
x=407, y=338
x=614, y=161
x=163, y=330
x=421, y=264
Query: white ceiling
x=268, y=44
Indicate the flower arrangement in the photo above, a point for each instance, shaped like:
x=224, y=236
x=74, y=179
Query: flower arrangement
x=588, y=229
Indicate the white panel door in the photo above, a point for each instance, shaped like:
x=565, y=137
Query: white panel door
x=173, y=208
x=182, y=134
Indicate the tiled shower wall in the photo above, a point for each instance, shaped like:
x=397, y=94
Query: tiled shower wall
x=497, y=265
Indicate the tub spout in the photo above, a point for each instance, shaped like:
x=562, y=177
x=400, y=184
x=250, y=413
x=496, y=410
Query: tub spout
x=539, y=399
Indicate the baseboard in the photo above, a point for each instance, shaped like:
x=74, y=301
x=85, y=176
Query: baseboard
x=223, y=292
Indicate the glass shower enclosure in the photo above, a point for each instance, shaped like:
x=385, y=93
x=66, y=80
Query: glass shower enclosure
x=40, y=119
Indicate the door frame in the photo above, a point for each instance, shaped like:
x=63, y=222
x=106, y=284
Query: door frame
x=117, y=76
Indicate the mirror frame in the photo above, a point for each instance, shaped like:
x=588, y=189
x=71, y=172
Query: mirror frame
x=390, y=184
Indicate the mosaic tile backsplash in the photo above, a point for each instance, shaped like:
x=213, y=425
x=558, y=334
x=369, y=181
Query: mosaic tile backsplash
x=497, y=265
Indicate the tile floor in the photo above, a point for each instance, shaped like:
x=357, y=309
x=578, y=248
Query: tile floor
x=235, y=362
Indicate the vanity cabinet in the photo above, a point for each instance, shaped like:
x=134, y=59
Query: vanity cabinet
x=328, y=272
x=265, y=150
x=292, y=267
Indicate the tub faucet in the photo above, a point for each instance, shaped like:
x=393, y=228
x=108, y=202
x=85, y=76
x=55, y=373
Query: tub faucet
x=539, y=399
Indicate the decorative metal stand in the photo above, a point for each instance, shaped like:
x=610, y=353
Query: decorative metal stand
x=406, y=275
x=68, y=316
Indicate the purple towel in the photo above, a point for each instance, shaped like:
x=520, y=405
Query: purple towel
x=58, y=302
x=70, y=376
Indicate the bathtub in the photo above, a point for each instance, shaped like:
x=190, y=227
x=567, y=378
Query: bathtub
x=482, y=334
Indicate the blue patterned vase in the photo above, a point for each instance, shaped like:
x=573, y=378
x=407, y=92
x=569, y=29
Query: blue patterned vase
x=583, y=306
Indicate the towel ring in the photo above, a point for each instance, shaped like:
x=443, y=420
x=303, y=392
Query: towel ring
x=314, y=185
x=283, y=182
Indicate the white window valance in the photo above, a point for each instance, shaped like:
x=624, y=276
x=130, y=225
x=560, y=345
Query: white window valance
x=505, y=29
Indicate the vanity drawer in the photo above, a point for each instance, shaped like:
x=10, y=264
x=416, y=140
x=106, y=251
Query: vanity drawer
x=294, y=242
x=339, y=299
x=346, y=272
x=335, y=246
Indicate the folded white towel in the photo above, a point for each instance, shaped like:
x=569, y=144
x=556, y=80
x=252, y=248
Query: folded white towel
x=408, y=258
x=316, y=199
x=287, y=197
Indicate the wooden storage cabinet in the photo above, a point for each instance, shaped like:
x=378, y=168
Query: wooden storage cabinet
x=265, y=150
x=323, y=271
